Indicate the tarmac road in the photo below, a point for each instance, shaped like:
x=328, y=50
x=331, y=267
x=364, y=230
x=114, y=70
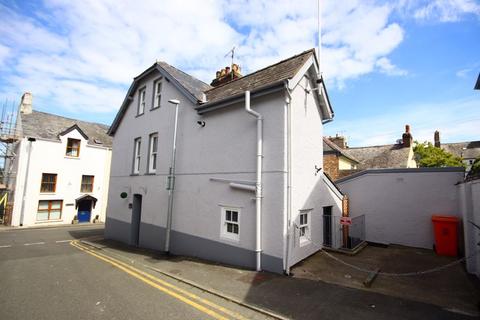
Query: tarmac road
x=44, y=276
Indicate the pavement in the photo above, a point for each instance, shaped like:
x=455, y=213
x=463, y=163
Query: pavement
x=451, y=288
x=289, y=297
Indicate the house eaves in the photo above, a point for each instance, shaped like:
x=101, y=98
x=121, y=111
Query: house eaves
x=72, y=128
x=194, y=95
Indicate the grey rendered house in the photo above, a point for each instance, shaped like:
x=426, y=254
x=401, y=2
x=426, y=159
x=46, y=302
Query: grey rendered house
x=226, y=207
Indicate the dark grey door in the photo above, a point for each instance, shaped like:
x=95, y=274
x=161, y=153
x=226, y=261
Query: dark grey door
x=327, y=226
x=136, y=219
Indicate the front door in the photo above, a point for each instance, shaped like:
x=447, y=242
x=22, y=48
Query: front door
x=84, y=211
x=327, y=226
x=136, y=219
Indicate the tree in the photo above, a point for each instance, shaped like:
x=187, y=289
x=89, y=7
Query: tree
x=475, y=170
x=427, y=155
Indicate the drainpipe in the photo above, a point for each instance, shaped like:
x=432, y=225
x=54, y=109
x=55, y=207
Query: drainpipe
x=22, y=212
x=288, y=99
x=258, y=185
x=171, y=179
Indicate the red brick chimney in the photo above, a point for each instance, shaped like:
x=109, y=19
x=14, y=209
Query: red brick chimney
x=339, y=141
x=226, y=75
x=407, y=138
x=436, y=139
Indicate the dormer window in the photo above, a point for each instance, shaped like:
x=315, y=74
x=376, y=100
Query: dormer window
x=141, y=101
x=157, y=97
x=73, y=148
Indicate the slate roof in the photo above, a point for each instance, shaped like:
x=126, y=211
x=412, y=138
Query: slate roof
x=466, y=150
x=330, y=147
x=49, y=126
x=191, y=84
x=285, y=69
x=386, y=156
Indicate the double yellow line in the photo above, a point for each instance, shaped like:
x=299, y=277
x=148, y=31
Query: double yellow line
x=212, y=309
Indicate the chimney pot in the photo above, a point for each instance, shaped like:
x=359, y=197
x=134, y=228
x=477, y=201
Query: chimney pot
x=407, y=138
x=436, y=139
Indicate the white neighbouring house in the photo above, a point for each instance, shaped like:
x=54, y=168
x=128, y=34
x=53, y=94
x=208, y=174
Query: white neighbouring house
x=235, y=201
x=58, y=169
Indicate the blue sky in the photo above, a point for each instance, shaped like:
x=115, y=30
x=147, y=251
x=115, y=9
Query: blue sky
x=387, y=63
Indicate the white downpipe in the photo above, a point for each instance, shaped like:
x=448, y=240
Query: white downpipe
x=289, y=176
x=258, y=185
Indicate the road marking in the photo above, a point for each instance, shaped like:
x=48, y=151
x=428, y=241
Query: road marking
x=144, y=277
x=33, y=243
x=167, y=284
x=62, y=241
x=7, y=246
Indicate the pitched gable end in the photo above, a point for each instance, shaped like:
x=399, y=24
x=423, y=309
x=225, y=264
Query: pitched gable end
x=72, y=128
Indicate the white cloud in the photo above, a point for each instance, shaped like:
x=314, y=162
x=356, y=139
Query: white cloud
x=68, y=48
x=439, y=10
x=424, y=119
x=4, y=53
x=388, y=68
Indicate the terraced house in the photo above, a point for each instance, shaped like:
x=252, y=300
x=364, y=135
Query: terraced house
x=58, y=169
x=243, y=183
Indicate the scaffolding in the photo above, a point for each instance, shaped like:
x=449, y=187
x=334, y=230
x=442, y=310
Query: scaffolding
x=9, y=137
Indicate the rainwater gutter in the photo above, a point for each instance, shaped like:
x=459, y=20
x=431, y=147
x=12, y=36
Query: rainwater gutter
x=258, y=184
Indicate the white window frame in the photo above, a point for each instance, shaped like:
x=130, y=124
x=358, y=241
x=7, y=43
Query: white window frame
x=152, y=154
x=141, y=100
x=137, y=155
x=157, y=95
x=224, y=233
x=304, y=226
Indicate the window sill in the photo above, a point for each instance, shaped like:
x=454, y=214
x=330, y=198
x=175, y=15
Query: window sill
x=139, y=115
x=48, y=221
x=134, y=174
x=150, y=174
x=304, y=242
x=230, y=238
x=71, y=157
x=48, y=193
x=155, y=108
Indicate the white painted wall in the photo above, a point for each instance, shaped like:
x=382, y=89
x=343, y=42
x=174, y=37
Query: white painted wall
x=308, y=189
x=398, y=204
x=469, y=193
x=225, y=148
x=48, y=156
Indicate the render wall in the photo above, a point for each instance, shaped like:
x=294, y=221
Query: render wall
x=469, y=193
x=398, y=203
x=48, y=156
x=225, y=149
x=309, y=192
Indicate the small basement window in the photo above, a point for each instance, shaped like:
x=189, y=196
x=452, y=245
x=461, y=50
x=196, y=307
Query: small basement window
x=230, y=223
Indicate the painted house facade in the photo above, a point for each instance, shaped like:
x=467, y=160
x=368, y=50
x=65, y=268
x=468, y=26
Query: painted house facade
x=59, y=169
x=242, y=196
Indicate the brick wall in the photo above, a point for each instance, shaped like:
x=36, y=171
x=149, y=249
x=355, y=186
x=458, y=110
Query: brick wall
x=330, y=165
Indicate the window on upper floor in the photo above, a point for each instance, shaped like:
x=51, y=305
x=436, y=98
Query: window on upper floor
x=87, y=184
x=152, y=153
x=136, y=155
x=157, y=94
x=73, y=148
x=141, y=101
x=49, y=210
x=230, y=223
x=49, y=182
